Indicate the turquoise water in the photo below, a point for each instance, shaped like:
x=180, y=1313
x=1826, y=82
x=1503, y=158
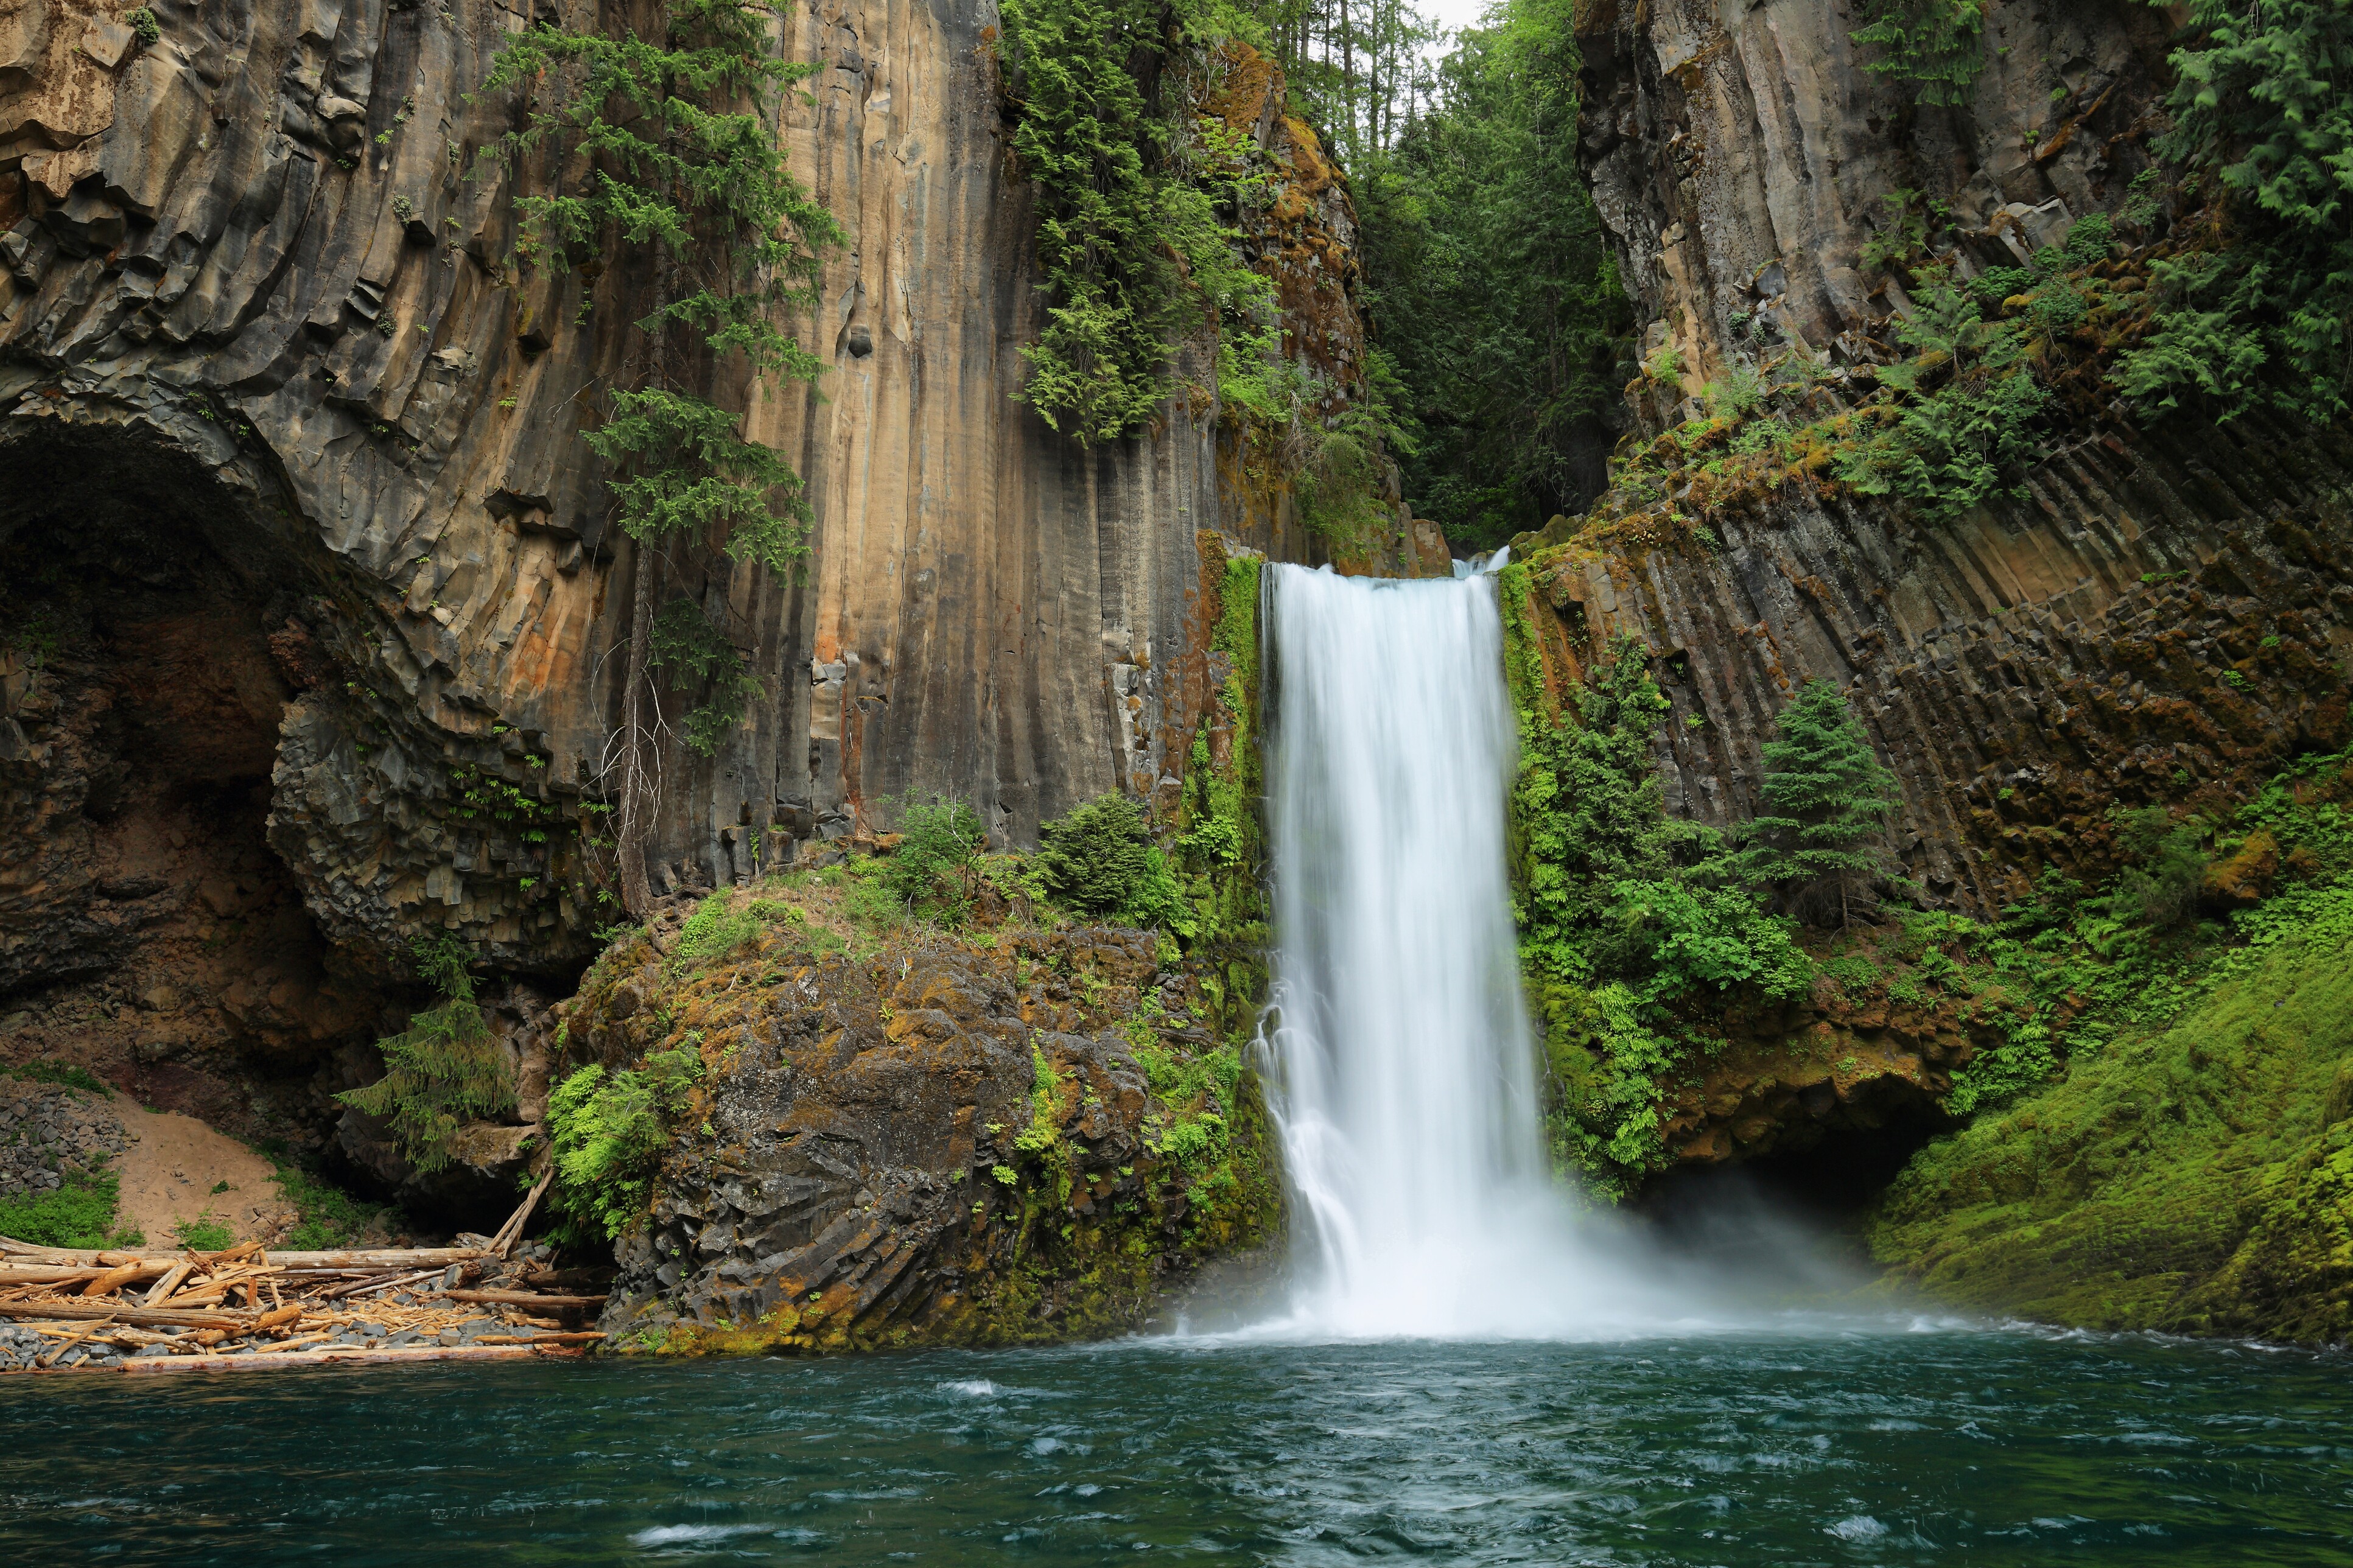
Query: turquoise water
x=1944, y=1446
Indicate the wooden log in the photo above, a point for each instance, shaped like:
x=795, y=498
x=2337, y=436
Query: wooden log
x=521, y=1299
x=68, y=1274
x=510, y=1233
x=379, y=1282
x=353, y=1356
x=270, y=1319
x=389, y=1258
x=169, y=1282
x=152, y=1317
x=589, y=1338
x=114, y=1279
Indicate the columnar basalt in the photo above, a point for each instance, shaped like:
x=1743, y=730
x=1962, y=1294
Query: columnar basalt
x=260, y=281
x=2152, y=610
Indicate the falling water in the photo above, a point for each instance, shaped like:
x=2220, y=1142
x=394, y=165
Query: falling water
x=1405, y=1070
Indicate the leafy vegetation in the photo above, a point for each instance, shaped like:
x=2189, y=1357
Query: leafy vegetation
x=325, y=1215
x=935, y=868
x=2261, y=311
x=79, y=1212
x=1491, y=284
x=1099, y=859
x=445, y=1069
x=1623, y=941
x=608, y=1132
x=206, y=1233
x=64, y=1075
x=1827, y=797
x=1935, y=47
x=673, y=134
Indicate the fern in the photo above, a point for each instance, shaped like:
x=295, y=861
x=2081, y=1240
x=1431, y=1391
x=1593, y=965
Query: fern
x=1935, y=46
x=2263, y=104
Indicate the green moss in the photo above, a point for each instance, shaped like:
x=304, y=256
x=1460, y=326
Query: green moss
x=64, y=1075
x=2194, y=1181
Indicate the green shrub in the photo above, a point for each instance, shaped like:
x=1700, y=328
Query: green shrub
x=1099, y=859
x=443, y=1070
x=932, y=871
x=716, y=929
x=2260, y=105
x=142, y=22
x=1967, y=400
x=206, y=1233
x=608, y=1130
x=78, y=1213
x=1934, y=47
x=326, y=1217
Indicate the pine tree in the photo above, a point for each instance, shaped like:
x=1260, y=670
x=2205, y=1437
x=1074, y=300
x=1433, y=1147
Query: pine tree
x=674, y=138
x=443, y=1070
x=1830, y=796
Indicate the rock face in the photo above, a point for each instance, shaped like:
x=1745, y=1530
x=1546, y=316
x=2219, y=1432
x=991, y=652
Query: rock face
x=924, y=1142
x=1742, y=157
x=265, y=354
x=2160, y=610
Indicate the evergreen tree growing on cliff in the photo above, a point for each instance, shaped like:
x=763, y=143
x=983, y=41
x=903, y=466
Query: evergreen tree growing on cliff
x=1828, y=795
x=668, y=141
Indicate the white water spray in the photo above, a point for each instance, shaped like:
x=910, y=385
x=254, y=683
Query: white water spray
x=1405, y=1070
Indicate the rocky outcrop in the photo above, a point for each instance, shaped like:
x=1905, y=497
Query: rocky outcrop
x=1742, y=157
x=2154, y=612
x=922, y=1140
x=264, y=344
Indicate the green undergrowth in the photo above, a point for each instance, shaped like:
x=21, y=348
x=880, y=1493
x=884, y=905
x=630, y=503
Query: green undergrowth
x=79, y=1211
x=2198, y=1179
x=326, y=1217
x=64, y=1075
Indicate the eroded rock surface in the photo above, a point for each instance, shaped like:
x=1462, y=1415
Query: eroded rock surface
x=931, y=1140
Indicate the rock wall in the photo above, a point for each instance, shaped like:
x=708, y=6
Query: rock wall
x=2156, y=612
x=1742, y=157
x=261, y=246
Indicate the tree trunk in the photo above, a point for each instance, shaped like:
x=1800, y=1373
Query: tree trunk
x=636, y=892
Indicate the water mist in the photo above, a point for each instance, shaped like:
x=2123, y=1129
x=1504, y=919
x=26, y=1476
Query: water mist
x=1403, y=1065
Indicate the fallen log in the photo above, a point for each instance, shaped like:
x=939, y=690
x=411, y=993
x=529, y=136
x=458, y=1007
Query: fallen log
x=155, y=1317
x=74, y=1273
x=330, y=1357
x=519, y=1298
x=589, y=1337
x=114, y=1279
x=390, y=1259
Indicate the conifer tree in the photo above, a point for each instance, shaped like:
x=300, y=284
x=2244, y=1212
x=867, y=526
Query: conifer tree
x=674, y=142
x=1829, y=795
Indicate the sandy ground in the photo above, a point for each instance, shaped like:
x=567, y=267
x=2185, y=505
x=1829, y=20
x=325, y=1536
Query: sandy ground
x=172, y=1169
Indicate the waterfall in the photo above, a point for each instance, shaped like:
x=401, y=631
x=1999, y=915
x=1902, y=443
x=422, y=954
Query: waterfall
x=1403, y=1066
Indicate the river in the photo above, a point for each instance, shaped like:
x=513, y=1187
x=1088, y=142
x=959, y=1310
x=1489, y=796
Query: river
x=1863, y=1443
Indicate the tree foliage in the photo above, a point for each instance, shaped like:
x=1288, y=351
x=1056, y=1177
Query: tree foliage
x=1099, y=859
x=1492, y=283
x=2262, y=105
x=1935, y=47
x=608, y=1130
x=443, y=1070
x=666, y=144
x=1828, y=798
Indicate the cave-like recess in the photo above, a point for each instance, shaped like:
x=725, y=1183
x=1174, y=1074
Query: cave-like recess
x=155, y=632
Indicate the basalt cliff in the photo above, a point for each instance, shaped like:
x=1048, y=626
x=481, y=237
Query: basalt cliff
x=315, y=604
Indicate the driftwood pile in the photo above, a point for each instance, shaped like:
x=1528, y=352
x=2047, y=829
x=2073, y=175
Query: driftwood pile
x=248, y=1307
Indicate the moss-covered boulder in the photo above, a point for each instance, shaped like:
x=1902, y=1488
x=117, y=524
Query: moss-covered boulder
x=2199, y=1180
x=916, y=1136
